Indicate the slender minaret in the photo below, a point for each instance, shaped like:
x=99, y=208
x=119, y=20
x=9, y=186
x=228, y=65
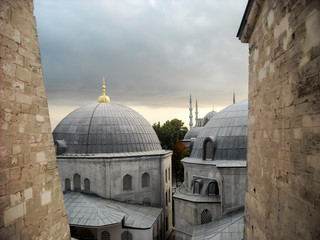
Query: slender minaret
x=190, y=116
x=197, y=119
x=234, y=97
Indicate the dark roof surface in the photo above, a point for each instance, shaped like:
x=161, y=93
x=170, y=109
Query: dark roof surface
x=192, y=133
x=106, y=128
x=229, y=128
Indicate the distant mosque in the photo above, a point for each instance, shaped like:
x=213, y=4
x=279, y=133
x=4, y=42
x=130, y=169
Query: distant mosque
x=115, y=175
x=209, y=204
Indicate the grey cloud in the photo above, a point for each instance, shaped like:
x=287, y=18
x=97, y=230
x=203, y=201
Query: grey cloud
x=150, y=54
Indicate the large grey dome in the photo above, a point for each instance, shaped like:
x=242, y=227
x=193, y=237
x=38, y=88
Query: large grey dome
x=106, y=128
x=228, y=131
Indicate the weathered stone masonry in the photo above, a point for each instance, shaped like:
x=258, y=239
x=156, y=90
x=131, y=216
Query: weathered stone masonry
x=31, y=200
x=283, y=190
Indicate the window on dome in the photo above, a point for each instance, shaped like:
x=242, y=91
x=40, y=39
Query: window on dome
x=77, y=182
x=166, y=198
x=105, y=235
x=206, y=216
x=145, y=179
x=208, y=151
x=87, y=184
x=127, y=183
x=67, y=184
x=126, y=236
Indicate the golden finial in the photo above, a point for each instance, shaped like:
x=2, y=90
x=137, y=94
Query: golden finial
x=212, y=108
x=104, y=97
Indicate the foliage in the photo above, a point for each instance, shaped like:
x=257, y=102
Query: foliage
x=180, y=151
x=170, y=135
x=170, y=132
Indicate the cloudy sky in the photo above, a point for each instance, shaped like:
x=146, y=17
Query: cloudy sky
x=153, y=54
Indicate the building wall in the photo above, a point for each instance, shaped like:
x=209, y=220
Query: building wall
x=106, y=176
x=188, y=215
x=31, y=199
x=233, y=188
x=283, y=190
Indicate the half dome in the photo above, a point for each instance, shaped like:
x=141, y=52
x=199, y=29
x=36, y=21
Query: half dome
x=228, y=132
x=106, y=128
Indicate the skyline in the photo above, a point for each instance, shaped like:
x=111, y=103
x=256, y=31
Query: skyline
x=153, y=55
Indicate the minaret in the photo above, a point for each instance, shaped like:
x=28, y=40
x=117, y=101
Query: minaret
x=190, y=116
x=197, y=123
x=104, y=98
x=234, y=97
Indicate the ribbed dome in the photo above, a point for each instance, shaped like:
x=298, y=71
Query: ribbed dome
x=106, y=128
x=229, y=129
x=192, y=133
x=208, y=116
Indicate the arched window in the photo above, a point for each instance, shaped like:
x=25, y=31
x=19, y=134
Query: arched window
x=169, y=194
x=196, y=188
x=213, y=188
x=76, y=182
x=127, y=183
x=126, y=236
x=166, y=198
x=208, y=150
x=206, y=216
x=186, y=180
x=166, y=175
x=145, y=179
x=87, y=184
x=67, y=184
x=169, y=173
x=105, y=235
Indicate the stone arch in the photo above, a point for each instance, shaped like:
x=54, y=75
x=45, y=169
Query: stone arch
x=213, y=189
x=76, y=182
x=67, y=184
x=196, y=188
x=145, y=180
x=206, y=216
x=126, y=236
x=86, y=184
x=208, y=148
x=127, y=182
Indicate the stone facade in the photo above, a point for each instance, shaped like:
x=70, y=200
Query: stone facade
x=31, y=199
x=283, y=189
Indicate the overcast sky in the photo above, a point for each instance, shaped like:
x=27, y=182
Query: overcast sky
x=153, y=54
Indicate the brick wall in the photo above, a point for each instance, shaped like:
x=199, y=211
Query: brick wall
x=31, y=200
x=283, y=189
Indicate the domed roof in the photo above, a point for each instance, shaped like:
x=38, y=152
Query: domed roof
x=228, y=130
x=192, y=133
x=106, y=128
x=208, y=116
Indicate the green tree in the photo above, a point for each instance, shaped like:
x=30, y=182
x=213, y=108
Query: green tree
x=170, y=135
x=170, y=132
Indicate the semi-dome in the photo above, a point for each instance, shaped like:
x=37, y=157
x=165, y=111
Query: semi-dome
x=227, y=132
x=105, y=128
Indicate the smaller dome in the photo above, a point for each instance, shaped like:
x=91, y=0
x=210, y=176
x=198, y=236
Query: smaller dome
x=192, y=133
x=228, y=132
x=208, y=116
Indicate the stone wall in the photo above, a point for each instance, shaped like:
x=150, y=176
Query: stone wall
x=31, y=200
x=283, y=190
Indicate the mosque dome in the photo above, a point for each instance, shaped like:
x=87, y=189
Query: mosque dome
x=208, y=116
x=105, y=128
x=227, y=131
x=192, y=133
